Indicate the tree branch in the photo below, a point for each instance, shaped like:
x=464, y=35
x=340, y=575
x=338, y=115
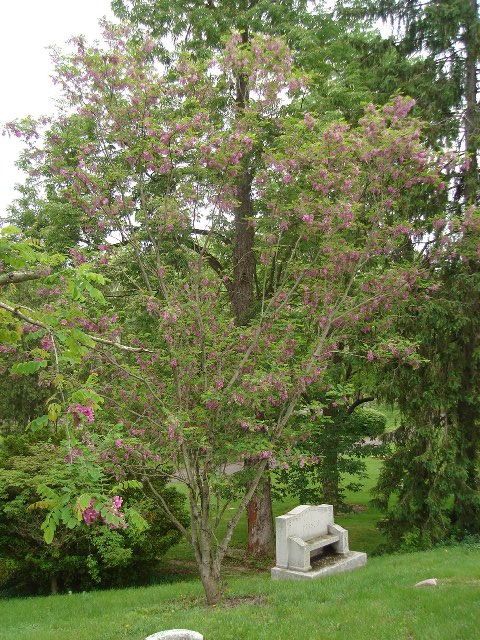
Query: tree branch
x=36, y=323
x=20, y=276
x=357, y=403
x=208, y=232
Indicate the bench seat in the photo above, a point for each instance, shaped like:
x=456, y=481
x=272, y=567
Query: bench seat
x=315, y=543
x=300, y=550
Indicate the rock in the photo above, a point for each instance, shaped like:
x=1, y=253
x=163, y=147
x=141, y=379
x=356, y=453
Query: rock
x=431, y=582
x=176, y=634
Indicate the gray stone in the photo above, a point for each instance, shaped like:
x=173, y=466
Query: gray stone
x=306, y=535
x=342, y=545
x=330, y=566
x=431, y=582
x=176, y=634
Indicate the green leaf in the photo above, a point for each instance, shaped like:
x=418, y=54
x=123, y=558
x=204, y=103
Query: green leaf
x=27, y=368
x=38, y=423
x=95, y=293
x=98, y=278
x=85, y=395
x=126, y=484
x=10, y=230
x=93, y=472
x=46, y=492
x=82, y=337
x=84, y=501
x=49, y=532
x=65, y=514
x=136, y=520
x=110, y=518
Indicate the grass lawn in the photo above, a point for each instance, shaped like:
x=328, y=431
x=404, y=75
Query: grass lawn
x=378, y=601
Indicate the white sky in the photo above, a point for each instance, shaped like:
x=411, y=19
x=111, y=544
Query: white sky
x=27, y=27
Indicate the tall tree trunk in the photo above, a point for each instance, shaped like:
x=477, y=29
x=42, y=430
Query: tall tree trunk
x=331, y=477
x=53, y=585
x=243, y=256
x=259, y=510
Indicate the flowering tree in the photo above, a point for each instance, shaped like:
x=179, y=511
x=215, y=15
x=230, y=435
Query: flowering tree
x=149, y=163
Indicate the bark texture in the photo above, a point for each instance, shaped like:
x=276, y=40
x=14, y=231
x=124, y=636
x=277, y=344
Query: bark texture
x=260, y=521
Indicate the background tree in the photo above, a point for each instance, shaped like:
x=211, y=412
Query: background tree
x=437, y=446
x=344, y=436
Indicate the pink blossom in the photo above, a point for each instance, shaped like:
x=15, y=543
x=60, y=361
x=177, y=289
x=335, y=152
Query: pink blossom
x=81, y=410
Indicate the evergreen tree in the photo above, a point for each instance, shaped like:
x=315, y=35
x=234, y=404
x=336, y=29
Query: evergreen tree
x=437, y=446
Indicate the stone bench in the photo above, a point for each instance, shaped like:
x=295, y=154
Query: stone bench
x=300, y=551
x=303, y=531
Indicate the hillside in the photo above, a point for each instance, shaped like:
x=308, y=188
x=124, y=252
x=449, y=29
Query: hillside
x=379, y=601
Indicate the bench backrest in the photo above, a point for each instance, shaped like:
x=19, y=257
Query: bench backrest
x=305, y=522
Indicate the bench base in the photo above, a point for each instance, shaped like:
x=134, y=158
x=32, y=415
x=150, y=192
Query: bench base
x=327, y=566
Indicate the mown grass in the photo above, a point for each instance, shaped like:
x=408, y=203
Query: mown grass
x=391, y=413
x=378, y=601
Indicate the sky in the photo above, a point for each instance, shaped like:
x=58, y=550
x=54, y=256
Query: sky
x=27, y=28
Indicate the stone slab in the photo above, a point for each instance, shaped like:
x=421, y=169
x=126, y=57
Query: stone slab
x=431, y=582
x=326, y=567
x=305, y=522
x=176, y=634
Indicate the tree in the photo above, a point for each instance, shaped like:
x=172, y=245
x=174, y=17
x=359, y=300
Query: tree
x=433, y=469
x=437, y=445
x=337, y=446
x=198, y=389
x=347, y=68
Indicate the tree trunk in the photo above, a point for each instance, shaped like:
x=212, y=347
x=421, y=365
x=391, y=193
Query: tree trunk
x=260, y=518
x=53, y=585
x=260, y=521
x=211, y=583
x=331, y=479
x=243, y=256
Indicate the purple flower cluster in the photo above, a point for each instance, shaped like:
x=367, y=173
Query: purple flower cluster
x=91, y=515
x=80, y=410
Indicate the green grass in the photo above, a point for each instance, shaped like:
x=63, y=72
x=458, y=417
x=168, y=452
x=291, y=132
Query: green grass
x=377, y=601
x=391, y=413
